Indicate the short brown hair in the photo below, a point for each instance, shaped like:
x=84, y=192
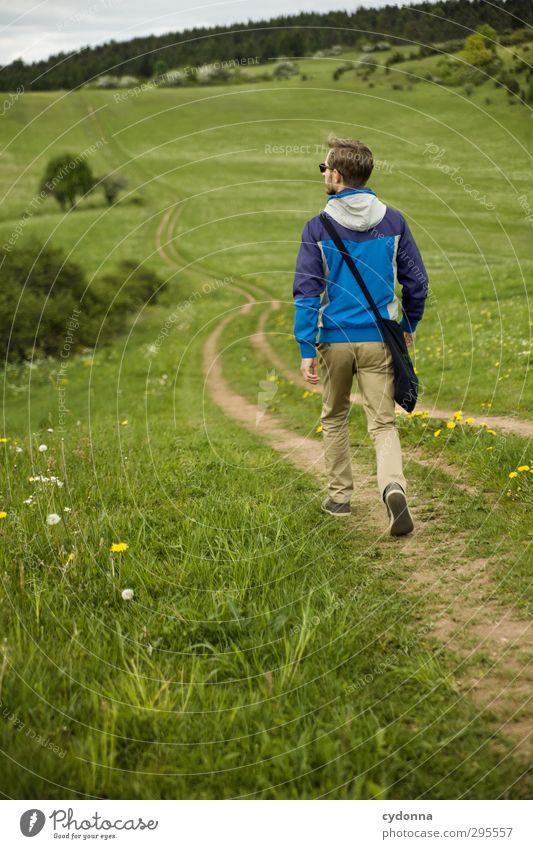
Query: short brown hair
x=352, y=158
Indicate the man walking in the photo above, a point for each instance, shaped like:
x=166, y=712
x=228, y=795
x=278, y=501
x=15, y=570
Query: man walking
x=328, y=299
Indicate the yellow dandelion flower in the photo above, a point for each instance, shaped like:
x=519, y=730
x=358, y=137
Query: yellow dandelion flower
x=513, y=474
x=458, y=415
x=3, y=514
x=523, y=468
x=451, y=425
x=436, y=433
x=119, y=546
x=492, y=432
x=4, y=438
x=318, y=429
x=124, y=422
x=469, y=421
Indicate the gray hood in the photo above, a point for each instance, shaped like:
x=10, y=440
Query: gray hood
x=359, y=211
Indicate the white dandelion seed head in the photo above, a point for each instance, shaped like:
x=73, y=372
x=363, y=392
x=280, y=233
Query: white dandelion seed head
x=53, y=519
x=127, y=594
x=50, y=430
x=43, y=448
x=67, y=509
x=18, y=449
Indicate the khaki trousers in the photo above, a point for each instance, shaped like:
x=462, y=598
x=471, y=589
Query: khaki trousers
x=372, y=363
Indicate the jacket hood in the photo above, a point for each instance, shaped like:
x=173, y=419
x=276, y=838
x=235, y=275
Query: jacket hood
x=357, y=209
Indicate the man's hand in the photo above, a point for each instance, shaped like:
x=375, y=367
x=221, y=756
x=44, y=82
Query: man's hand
x=409, y=338
x=308, y=370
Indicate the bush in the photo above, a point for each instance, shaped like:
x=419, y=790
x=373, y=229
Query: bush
x=112, y=185
x=284, y=70
x=106, y=81
x=173, y=78
x=518, y=36
x=39, y=293
x=131, y=285
x=127, y=82
x=395, y=58
x=506, y=80
x=44, y=299
x=110, y=81
x=426, y=50
x=368, y=66
x=341, y=69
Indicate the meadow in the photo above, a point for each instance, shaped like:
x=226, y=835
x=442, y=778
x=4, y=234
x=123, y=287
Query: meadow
x=266, y=652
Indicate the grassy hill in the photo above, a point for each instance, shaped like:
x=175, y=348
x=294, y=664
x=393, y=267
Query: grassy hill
x=265, y=652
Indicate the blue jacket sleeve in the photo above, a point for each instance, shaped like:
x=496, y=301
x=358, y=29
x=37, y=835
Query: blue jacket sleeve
x=413, y=278
x=308, y=285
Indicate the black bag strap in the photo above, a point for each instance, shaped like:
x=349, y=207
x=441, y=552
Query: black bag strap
x=353, y=268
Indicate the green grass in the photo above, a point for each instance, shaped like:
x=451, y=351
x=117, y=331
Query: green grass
x=265, y=653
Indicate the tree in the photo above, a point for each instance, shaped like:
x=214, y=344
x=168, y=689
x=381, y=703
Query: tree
x=111, y=185
x=160, y=67
x=66, y=177
x=475, y=52
x=490, y=36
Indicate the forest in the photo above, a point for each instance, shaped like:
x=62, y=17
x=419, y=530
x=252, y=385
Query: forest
x=292, y=36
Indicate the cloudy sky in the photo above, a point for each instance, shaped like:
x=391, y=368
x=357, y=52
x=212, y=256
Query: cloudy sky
x=32, y=30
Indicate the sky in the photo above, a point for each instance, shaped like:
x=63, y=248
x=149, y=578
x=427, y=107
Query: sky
x=35, y=29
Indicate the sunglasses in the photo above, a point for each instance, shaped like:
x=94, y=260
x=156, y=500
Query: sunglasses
x=323, y=167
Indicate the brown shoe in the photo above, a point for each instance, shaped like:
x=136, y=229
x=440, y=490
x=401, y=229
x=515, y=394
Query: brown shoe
x=336, y=508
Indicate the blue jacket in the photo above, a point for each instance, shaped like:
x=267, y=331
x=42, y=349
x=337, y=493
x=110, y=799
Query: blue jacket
x=327, y=298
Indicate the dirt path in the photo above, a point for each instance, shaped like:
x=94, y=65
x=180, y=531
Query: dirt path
x=466, y=617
